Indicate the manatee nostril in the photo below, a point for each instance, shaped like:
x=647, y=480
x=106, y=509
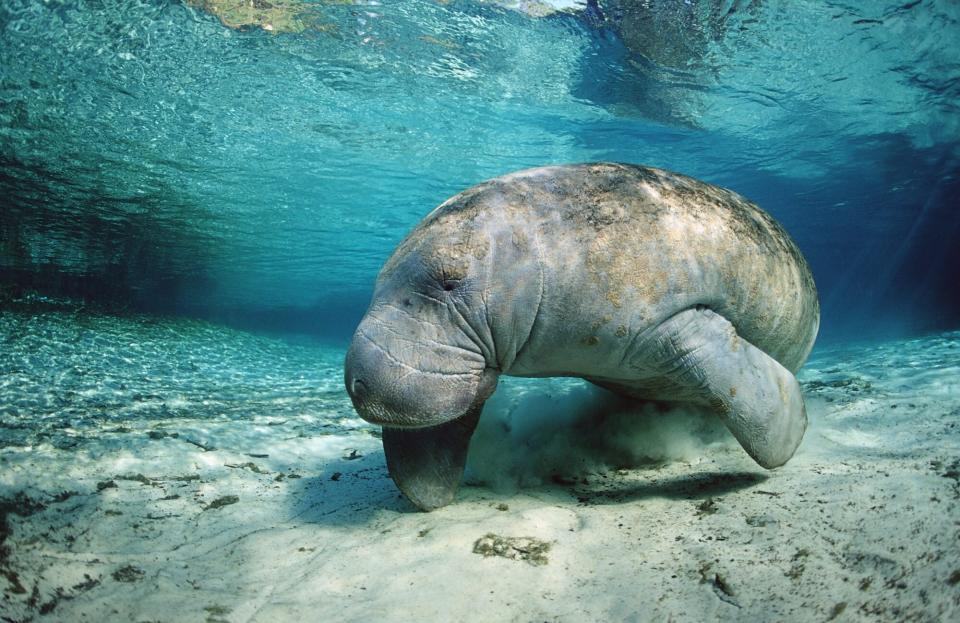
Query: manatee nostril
x=358, y=389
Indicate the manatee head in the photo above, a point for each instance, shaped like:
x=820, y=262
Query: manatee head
x=423, y=354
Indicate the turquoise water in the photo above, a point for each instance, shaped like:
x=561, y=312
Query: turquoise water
x=194, y=204
x=154, y=159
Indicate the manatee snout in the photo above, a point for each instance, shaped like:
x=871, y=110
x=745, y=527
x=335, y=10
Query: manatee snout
x=395, y=382
x=425, y=392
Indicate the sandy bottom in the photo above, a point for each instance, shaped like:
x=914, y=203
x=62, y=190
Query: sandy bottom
x=175, y=471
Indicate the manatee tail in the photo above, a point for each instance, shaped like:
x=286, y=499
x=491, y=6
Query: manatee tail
x=427, y=463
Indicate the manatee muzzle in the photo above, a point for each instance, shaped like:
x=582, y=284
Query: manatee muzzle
x=387, y=391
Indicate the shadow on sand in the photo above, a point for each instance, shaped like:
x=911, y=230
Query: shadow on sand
x=611, y=490
x=353, y=492
x=350, y=492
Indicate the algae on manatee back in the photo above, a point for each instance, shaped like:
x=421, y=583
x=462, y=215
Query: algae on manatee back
x=276, y=16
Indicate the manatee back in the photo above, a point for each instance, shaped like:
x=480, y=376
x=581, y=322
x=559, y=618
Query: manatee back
x=625, y=247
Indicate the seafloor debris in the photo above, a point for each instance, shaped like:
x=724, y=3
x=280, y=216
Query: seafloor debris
x=220, y=502
x=762, y=521
x=526, y=548
x=128, y=573
x=707, y=507
x=719, y=583
x=253, y=467
x=217, y=613
x=276, y=16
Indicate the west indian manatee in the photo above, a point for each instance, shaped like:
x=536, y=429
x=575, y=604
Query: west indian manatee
x=642, y=281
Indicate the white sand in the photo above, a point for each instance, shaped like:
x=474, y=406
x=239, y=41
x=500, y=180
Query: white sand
x=862, y=525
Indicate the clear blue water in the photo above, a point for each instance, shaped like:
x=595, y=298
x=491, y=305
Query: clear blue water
x=174, y=188
x=152, y=158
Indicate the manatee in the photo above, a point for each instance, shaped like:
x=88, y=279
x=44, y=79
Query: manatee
x=645, y=282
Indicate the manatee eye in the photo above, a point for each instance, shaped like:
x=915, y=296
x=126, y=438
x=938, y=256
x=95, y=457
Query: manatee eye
x=449, y=286
x=407, y=302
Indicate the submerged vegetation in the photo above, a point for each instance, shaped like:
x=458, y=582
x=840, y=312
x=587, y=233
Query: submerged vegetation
x=298, y=16
x=275, y=16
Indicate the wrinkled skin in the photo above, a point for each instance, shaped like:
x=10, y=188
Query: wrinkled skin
x=645, y=282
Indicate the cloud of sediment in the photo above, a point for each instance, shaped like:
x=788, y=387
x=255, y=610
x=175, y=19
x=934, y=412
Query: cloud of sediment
x=534, y=430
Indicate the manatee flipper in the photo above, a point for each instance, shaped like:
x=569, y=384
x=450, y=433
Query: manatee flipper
x=427, y=463
x=757, y=398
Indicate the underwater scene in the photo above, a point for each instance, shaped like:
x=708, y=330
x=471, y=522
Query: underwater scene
x=197, y=198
